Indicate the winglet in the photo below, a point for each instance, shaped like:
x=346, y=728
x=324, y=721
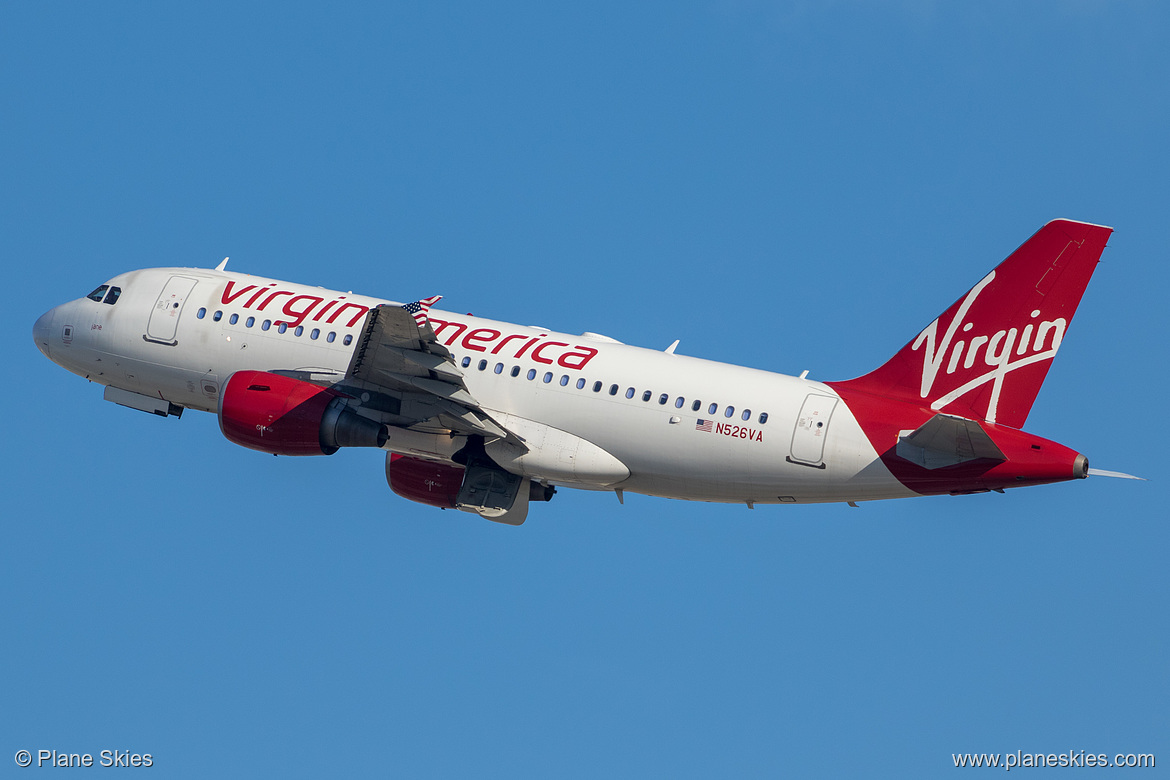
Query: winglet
x=222, y=264
x=419, y=309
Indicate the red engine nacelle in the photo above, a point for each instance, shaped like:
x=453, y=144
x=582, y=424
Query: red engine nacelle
x=285, y=416
x=425, y=481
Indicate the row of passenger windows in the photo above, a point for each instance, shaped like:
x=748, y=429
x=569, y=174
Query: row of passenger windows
x=663, y=399
x=281, y=327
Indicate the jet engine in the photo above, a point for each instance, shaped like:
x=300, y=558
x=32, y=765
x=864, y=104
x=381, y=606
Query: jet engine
x=480, y=486
x=286, y=416
x=425, y=481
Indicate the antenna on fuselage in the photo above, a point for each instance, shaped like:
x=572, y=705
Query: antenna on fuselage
x=222, y=265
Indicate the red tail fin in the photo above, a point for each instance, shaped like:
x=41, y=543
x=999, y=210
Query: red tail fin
x=986, y=356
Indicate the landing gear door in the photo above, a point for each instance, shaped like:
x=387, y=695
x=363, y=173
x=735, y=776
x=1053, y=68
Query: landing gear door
x=808, y=438
x=164, y=317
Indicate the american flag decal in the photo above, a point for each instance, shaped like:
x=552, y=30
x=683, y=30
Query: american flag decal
x=418, y=309
x=703, y=425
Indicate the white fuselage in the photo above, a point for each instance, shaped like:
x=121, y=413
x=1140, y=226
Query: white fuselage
x=178, y=334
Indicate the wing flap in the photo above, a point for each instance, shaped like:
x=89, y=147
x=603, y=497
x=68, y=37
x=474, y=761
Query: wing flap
x=392, y=340
x=398, y=357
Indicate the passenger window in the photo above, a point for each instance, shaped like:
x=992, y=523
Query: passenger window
x=348, y=339
x=580, y=383
x=531, y=374
x=97, y=295
x=646, y=395
x=747, y=415
x=547, y=377
x=613, y=389
x=300, y=329
x=729, y=411
x=217, y=316
x=712, y=408
x=281, y=327
x=249, y=322
x=316, y=332
x=662, y=399
x=232, y=320
x=482, y=365
x=564, y=379
x=201, y=313
x=696, y=405
x=630, y=392
x=763, y=417
x=266, y=325
x=515, y=371
x=332, y=335
x=112, y=295
x=466, y=362
x=597, y=386
x=499, y=369
x=678, y=402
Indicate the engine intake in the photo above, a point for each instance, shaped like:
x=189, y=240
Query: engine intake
x=286, y=416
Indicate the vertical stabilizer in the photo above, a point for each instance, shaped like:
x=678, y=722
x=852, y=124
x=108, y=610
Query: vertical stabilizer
x=986, y=356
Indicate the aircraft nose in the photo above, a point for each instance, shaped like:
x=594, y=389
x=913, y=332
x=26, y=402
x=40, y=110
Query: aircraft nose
x=42, y=331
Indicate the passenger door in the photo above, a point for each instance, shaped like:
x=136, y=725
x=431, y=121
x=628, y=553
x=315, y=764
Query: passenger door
x=164, y=317
x=808, y=438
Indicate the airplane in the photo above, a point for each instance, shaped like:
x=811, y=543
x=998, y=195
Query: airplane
x=486, y=416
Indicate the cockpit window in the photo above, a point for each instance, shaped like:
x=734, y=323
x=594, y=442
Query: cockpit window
x=99, y=293
x=112, y=295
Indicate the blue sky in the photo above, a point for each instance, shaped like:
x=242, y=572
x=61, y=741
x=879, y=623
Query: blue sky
x=788, y=186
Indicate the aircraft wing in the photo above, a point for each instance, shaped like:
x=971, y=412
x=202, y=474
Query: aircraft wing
x=402, y=371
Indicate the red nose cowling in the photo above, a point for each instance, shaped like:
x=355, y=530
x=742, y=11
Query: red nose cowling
x=425, y=481
x=286, y=416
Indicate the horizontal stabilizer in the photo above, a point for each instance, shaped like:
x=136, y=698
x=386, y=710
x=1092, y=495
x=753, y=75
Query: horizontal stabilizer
x=1117, y=474
x=945, y=440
